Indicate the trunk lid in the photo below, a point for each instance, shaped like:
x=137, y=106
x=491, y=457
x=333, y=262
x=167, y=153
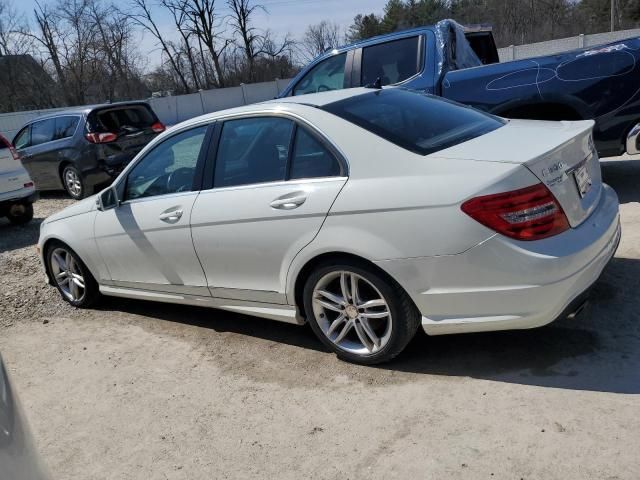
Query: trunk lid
x=560, y=154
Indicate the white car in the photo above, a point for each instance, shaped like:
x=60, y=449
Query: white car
x=366, y=212
x=17, y=191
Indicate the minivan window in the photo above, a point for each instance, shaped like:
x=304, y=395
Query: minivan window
x=42, y=131
x=65, y=126
x=391, y=62
x=252, y=150
x=23, y=139
x=417, y=122
x=117, y=119
x=325, y=76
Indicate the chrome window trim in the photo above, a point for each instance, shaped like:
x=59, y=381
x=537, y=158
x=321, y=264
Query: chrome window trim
x=277, y=183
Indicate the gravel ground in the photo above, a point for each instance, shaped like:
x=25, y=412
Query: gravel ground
x=136, y=390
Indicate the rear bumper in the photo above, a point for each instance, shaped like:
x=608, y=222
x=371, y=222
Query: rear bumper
x=504, y=284
x=24, y=195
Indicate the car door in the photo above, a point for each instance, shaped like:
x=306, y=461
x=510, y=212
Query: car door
x=273, y=183
x=145, y=241
x=36, y=154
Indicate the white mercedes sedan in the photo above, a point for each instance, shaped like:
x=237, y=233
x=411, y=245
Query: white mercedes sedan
x=366, y=213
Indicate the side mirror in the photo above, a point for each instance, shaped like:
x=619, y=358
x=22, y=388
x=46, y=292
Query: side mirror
x=107, y=199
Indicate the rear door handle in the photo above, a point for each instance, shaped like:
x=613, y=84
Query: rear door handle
x=171, y=216
x=289, y=202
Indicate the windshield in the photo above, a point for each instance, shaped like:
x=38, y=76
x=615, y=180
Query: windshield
x=417, y=122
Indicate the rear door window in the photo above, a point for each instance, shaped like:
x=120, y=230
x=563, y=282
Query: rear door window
x=252, y=150
x=391, y=62
x=65, y=126
x=125, y=119
x=417, y=122
x=325, y=76
x=42, y=131
x=311, y=159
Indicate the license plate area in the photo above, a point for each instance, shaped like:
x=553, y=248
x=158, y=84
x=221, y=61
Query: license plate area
x=583, y=180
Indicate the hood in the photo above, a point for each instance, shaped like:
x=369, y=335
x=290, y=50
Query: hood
x=78, y=208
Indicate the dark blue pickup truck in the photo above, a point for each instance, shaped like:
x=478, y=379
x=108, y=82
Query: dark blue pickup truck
x=461, y=63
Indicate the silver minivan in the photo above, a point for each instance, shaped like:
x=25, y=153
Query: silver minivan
x=17, y=191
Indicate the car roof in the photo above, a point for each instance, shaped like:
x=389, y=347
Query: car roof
x=287, y=104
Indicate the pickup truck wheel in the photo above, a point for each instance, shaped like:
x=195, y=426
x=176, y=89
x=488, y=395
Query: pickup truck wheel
x=74, y=183
x=20, y=213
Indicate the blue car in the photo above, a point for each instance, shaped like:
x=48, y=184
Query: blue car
x=461, y=63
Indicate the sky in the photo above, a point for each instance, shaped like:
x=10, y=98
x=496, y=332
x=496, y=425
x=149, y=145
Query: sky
x=282, y=17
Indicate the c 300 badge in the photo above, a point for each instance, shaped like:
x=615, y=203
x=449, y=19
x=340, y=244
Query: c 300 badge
x=556, y=172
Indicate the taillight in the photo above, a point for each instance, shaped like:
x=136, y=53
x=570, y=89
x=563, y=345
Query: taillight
x=6, y=143
x=158, y=127
x=28, y=185
x=530, y=213
x=101, y=137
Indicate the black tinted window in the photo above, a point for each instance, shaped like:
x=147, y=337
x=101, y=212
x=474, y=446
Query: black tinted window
x=23, y=139
x=311, y=159
x=327, y=75
x=65, y=127
x=420, y=123
x=392, y=62
x=115, y=120
x=42, y=131
x=170, y=167
x=252, y=150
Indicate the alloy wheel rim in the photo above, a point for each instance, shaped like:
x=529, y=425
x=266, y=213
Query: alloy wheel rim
x=352, y=313
x=72, y=180
x=67, y=274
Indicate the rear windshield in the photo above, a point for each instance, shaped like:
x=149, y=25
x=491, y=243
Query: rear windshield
x=417, y=122
x=128, y=118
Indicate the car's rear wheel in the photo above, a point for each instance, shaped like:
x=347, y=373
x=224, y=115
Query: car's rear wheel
x=20, y=213
x=358, y=313
x=74, y=183
x=71, y=276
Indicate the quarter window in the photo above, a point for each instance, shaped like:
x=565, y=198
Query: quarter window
x=65, y=127
x=327, y=75
x=392, y=62
x=311, y=159
x=42, y=131
x=170, y=167
x=252, y=150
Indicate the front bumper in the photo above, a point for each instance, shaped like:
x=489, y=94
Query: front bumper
x=504, y=284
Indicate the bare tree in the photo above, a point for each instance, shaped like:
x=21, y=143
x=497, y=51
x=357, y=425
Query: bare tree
x=250, y=38
x=319, y=38
x=142, y=16
x=13, y=31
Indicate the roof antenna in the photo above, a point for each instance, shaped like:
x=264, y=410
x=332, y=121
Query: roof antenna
x=377, y=84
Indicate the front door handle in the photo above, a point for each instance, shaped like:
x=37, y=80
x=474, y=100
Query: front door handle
x=289, y=202
x=171, y=216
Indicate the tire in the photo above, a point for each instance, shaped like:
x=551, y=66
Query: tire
x=74, y=183
x=81, y=290
x=20, y=214
x=393, y=331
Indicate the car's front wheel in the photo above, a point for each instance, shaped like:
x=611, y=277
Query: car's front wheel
x=74, y=183
x=71, y=276
x=358, y=313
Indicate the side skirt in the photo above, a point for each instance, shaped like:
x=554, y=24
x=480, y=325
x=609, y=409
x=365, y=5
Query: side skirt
x=281, y=313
